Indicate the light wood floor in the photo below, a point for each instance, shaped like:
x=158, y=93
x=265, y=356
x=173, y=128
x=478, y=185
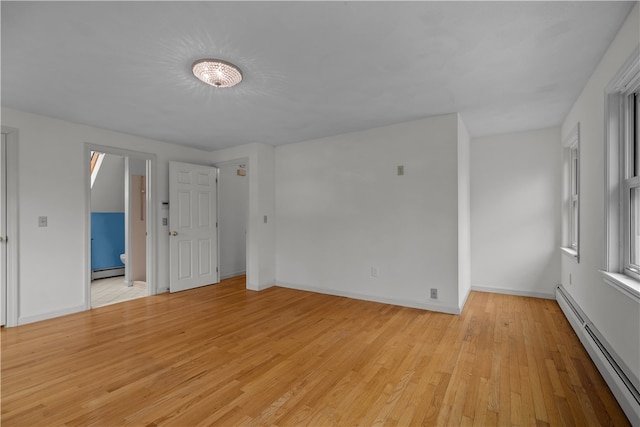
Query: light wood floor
x=113, y=290
x=221, y=355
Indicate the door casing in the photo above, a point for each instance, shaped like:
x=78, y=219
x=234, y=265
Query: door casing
x=11, y=312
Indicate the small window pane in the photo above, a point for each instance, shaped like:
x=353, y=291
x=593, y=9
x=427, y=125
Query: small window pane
x=574, y=224
x=574, y=171
x=634, y=232
x=636, y=134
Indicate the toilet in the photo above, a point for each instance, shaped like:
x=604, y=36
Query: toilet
x=123, y=258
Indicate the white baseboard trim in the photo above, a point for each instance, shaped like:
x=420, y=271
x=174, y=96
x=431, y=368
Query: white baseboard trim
x=372, y=298
x=50, y=315
x=258, y=287
x=228, y=275
x=464, y=301
x=542, y=295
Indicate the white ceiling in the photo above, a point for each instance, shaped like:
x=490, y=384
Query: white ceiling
x=311, y=69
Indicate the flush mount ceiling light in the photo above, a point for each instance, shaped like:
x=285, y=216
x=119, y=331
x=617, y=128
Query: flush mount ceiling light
x=216, y=72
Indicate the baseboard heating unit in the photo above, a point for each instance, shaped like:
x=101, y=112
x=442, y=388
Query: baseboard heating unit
x=621, y=380
x=107, y=272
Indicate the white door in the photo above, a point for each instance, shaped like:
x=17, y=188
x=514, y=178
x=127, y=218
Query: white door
x=3, y=230
x=193, y=240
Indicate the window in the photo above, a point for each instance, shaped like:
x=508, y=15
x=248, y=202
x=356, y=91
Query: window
x=622, y=179
x=572, y=193
x=631, y=187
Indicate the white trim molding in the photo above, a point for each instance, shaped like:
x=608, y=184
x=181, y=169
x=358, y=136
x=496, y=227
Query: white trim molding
x=13, y=273
x=447, y=309
x=519, y=293
x=51, y=314
x=623, y=283
x=569, y=252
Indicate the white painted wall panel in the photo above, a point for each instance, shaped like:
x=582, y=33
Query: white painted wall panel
x=515, y=212
x=342, y=209
x=107, y=193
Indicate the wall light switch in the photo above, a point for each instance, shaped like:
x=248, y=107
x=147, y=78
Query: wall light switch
x=265, y=219
x=164, y=221
x=42, y=221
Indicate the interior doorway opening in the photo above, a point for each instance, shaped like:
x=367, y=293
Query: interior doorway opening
x=233, y=211
x=120, y=226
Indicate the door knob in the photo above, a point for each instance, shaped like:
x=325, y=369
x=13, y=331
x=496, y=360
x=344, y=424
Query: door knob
x=1, y=239
x=174, y=233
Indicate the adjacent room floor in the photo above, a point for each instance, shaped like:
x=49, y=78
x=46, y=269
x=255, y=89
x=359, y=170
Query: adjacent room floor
x=112, y=290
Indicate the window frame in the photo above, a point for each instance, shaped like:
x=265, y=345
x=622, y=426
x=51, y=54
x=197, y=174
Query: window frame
x=630, y=179
x=571, y=160
x=619, y=179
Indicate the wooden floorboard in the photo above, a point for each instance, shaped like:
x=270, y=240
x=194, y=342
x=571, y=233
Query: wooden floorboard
x=222, y=355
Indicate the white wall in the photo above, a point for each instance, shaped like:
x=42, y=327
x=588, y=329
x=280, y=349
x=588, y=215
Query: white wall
x=232, y=221
x=51, y=182
x=107, y=193
x=342, y=209
x=615, y=315
x=137, y=222
x=515, y=212
x=137, y=167
x=464, y=213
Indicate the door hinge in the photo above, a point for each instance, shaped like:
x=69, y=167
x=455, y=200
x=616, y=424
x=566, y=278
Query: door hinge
x=216, y=269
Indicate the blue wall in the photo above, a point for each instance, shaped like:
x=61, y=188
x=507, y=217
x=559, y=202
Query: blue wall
x=107, y=240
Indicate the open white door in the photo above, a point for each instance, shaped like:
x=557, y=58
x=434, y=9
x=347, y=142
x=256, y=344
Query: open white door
x=3, y=231
x=193, y=244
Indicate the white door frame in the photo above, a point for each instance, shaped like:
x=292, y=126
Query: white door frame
x=151, y=214
x=11, y=157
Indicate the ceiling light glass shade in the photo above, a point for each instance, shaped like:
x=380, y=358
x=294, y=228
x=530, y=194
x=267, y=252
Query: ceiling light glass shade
x=216, y=72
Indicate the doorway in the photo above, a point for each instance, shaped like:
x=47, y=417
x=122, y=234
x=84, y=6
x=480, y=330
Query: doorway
x=120, y=230
x=233, y=211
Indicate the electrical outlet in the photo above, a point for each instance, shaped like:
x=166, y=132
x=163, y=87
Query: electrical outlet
x=374, y=272
x=42, y=221
x=434, y=293
x=400, y=170
x=164, y=221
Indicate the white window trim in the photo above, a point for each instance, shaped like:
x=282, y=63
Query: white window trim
x=625, y=284
x=570, y=143
x=626, y=81
x=629, y=182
